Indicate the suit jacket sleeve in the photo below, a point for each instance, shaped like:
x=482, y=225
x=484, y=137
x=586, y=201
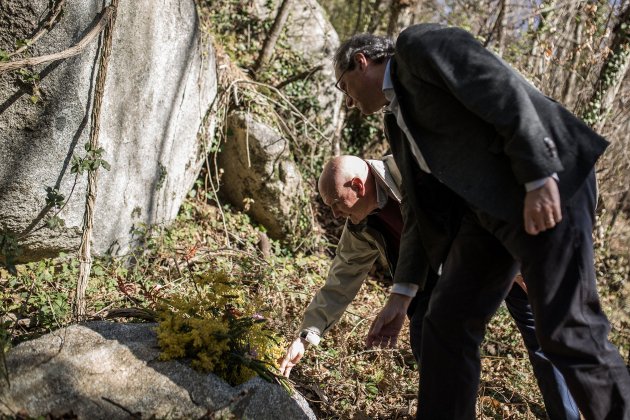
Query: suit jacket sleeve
x=485, y=85
x=413, y=264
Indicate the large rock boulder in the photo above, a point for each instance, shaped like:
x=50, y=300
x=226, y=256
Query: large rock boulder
x=260, y=176
x=310, y=33
x=105, y=370
x=160, y=81
x=255, y=158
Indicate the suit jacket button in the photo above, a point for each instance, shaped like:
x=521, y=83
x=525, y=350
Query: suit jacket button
x=551, y=147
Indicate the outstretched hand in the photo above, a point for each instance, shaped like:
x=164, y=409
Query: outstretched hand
x=292, y=357
x=388, y=323
x=542, y=208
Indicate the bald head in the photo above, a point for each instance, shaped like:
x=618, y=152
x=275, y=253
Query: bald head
x=347, y=186
x=339, y=171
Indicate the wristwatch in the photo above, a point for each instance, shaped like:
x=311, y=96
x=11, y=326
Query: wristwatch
x=310, y=337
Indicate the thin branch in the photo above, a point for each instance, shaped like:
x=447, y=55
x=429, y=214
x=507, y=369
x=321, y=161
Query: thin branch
x=274, y=34
x=70, y=52
x=359, y=15
x=304, y=75
x=291, y=107
x=47, y=26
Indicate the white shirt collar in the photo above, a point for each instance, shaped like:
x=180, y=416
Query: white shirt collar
x=388, y=84
x=381, y=192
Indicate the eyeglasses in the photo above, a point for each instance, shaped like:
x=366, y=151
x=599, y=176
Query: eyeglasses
x=345, y=92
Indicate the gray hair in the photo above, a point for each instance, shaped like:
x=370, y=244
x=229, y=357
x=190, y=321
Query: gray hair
x=374, y=47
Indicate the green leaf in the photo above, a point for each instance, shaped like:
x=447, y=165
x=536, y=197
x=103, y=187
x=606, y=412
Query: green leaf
x=53, y=197
x=105, y=165
x=22, y=43
x=55, y=222
x=4, y=56
x=371, y=388
x=75, y=165
x=34, y=99
x=87, y=147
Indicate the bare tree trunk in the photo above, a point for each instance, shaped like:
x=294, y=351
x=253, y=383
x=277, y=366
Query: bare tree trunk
x=536, y=57
x=357, y=23
x=341, y=121
x=611, y=75
x=411, y=14
x=395, y=9
x=569, y=95
x=375, y=17
x=563, y=48
x=499, y=28
x=274, y=34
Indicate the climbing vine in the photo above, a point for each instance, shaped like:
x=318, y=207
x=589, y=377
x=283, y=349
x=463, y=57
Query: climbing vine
x=10, y=247
x=594, y=113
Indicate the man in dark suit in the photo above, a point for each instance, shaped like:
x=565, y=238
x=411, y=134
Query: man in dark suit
x=498, y=176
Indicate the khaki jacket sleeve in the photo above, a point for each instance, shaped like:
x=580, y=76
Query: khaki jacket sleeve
x=353, y=260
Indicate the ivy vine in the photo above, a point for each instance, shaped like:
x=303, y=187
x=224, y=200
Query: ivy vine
x=10, y=242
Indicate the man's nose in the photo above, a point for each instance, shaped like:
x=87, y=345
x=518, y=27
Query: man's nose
x=337, y=214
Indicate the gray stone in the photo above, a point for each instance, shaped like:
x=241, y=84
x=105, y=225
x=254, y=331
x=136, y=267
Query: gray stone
x=255, y=158
x=257, y=165
x=160, y=83
x=310, y=33
x=105, y=370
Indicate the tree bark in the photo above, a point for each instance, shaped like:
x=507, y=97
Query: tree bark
x=499, y=28
x=357, y=23
x=564, y=48
x=341, y=122
x=411, y=14
x=395, y=9
x=536, y=57
x=375, y=17
x=274, y=34
x=569, y=96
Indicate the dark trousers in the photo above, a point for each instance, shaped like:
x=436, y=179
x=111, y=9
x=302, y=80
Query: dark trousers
x=557, y=266
x=558, y=401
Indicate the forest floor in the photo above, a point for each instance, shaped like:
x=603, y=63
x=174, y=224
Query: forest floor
x=340, y=378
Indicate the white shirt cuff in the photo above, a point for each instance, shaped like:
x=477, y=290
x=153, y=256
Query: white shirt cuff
x=407, y=289
x=534, y=185
x=310, y=337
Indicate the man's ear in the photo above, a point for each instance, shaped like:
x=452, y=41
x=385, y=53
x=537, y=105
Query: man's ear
x=360, y=60
x=358, y=186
